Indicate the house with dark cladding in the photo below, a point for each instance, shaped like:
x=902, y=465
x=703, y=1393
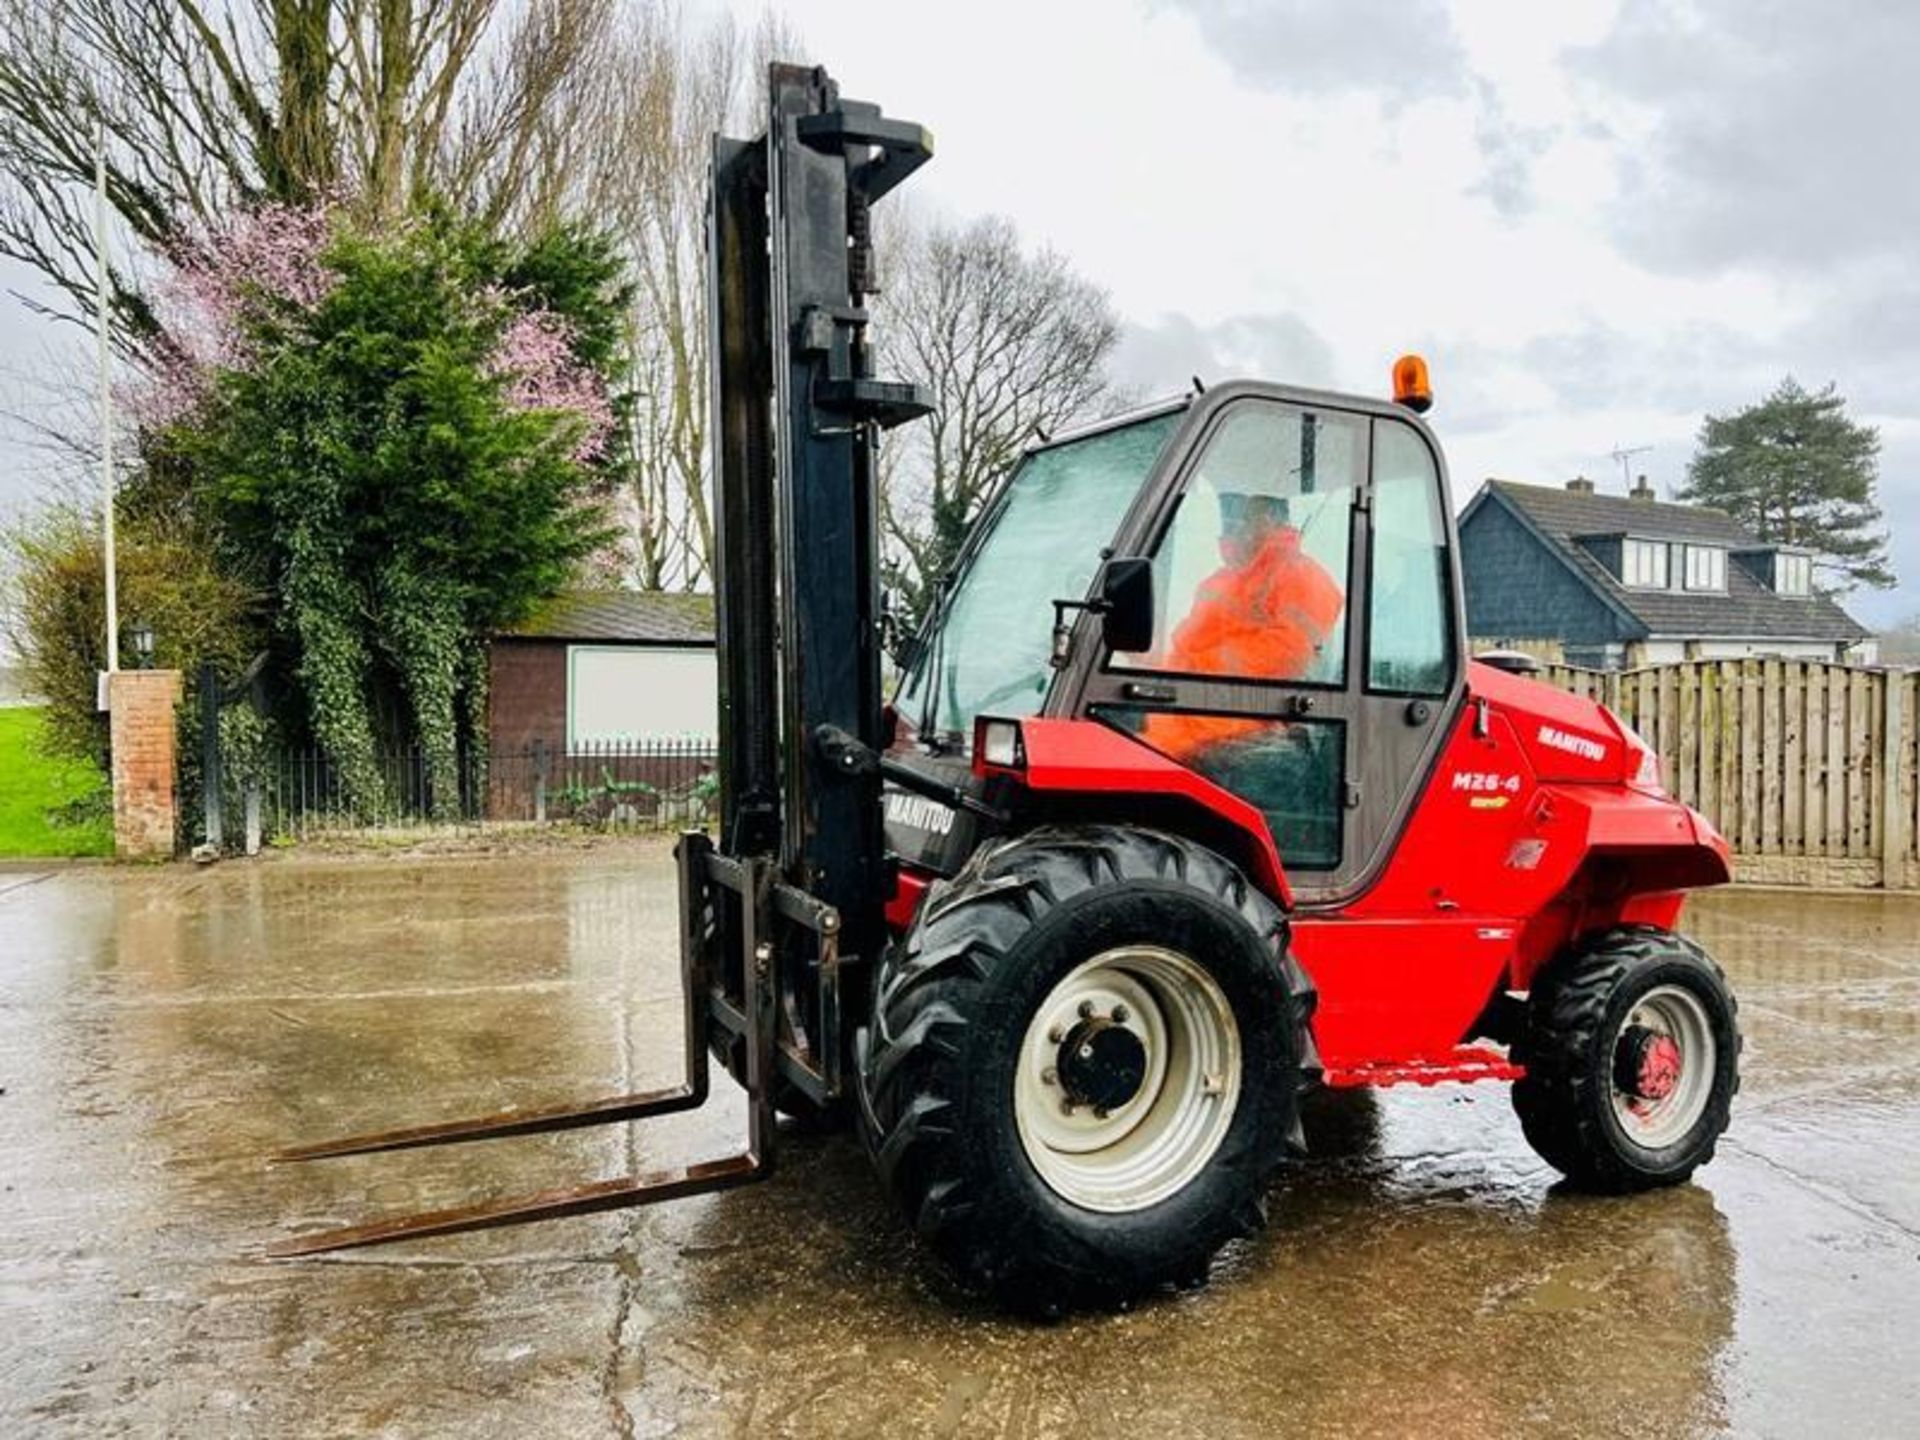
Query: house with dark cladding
x=1617, y=581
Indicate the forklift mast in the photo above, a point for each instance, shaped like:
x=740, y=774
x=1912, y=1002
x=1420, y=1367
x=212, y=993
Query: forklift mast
x=796, y=420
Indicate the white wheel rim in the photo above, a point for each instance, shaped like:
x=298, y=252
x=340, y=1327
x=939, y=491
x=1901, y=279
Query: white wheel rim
x=1154, y=1144
x=1670, y=1013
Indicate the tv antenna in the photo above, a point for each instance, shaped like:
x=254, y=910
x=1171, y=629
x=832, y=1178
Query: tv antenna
x=1623, y=457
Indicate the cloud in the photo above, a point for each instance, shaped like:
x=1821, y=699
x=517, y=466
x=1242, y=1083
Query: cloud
x=1405, y=49
x=1508, y=153
x=1769, y=133
x=1158, y=358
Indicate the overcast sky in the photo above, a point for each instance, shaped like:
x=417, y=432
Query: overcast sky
x=1597, y=220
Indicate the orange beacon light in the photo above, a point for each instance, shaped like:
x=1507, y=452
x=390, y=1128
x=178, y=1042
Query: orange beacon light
x=1410, y=385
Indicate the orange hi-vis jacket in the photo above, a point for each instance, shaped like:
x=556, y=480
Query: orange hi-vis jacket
x=1262, y=619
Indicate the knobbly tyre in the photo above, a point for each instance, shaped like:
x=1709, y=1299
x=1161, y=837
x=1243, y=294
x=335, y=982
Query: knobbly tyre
x=1190, y=800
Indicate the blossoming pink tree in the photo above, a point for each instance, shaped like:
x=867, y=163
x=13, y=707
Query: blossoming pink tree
x=402, y=440
x=269, y=264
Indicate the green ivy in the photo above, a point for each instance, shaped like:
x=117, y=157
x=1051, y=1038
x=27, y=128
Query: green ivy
x=366, y=471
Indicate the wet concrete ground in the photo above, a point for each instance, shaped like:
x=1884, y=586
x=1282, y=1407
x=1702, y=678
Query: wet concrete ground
x=161, y=1029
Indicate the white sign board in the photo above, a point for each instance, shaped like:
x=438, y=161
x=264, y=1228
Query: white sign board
x=626, y=694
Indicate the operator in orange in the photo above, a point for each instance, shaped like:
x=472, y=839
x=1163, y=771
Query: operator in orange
x=1263, y=615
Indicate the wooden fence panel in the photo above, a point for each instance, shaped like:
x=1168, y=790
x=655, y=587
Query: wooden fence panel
x=1908, y=687
x=1728, y=816
x=1772, y=683
x=1685, y=773
x=1750, y=752
x=1711, y=709
x=1813, y=765
x=1793, y=715
x=1876, y=766
x=1858, y=735
x=1810, y=769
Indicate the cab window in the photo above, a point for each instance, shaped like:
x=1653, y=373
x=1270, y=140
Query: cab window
x=1250, y=578
x=1292, y=771
x=1409, y=609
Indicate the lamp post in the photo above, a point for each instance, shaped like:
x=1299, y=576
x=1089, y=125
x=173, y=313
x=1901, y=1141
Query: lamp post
x=102, y=302
x=140, y=636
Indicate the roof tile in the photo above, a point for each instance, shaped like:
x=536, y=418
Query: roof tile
x=1746, y=609
x=647, y=616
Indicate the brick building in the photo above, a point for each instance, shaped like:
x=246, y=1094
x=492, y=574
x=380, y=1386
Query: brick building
x=602, y=698
x=596, y=668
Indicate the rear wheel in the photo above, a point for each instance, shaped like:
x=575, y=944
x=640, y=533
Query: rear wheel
x=1084, y=1063
x=1631, y=1047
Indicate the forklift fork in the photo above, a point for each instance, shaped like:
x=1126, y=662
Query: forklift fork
x=732, y=1008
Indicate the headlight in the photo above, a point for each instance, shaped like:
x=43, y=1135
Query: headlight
x=1646, y=773
x=997, y=743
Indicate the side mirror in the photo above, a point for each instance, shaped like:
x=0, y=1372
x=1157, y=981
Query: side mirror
x=1514, y=662
x=1125, y=602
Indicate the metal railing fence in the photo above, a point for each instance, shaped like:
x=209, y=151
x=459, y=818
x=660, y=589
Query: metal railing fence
x=285, y=794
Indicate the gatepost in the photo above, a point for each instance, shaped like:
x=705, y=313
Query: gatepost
x=141, y=703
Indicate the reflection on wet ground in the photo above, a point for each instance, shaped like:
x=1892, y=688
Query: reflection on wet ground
x=160, y=1030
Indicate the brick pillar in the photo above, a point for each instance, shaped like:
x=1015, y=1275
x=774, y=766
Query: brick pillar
x=142, y=703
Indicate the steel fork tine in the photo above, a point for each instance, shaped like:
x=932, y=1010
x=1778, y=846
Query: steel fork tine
x=502, y=1123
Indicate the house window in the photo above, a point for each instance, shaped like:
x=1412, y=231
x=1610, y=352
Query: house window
x=1643, y=564
x=1793, y=574
x=1706, y=567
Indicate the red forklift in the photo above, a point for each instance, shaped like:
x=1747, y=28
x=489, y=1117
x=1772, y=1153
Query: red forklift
x=1189, y=800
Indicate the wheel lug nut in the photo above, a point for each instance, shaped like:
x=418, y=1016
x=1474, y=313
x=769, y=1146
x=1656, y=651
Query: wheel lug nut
x=1049, y=1076
x=1099, y=1112
x=1121, y=1014
x=1056, y=1035
x=1066, y=1106
x=1086, y=1009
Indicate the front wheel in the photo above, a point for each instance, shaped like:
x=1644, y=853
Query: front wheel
x=1084, y=1063
x=1632, y=1051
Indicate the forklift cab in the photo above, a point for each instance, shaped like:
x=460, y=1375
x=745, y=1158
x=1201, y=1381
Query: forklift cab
x=1299, y=643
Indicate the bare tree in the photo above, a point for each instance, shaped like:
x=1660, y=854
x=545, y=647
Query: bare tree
x=211, y=103
x=676, y=86
x=1012, y=343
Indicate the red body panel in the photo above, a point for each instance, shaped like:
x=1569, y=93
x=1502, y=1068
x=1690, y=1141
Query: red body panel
x=909, y=889
x=1527, y=834
x=1086, y=757
x=1564, y=736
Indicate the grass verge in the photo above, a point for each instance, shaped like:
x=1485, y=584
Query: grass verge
x=38, y=794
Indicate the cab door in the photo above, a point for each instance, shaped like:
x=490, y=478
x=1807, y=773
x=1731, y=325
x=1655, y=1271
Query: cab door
x=1306, y=652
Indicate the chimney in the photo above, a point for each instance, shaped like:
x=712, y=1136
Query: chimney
x=1580, y=485
x=1641, y=489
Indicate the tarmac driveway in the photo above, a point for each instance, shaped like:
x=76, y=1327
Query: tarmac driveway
x=160, y=1029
